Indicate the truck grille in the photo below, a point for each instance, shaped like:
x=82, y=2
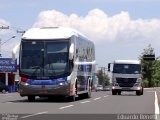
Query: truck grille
x=126, y=82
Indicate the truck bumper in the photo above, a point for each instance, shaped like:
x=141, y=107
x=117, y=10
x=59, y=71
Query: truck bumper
x=127, y=88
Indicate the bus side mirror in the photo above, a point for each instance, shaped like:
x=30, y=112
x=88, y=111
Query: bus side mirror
x=71, y=51
x=109, y=65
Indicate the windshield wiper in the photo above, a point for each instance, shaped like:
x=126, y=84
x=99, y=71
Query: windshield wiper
x=60, y=75
x=36, y=69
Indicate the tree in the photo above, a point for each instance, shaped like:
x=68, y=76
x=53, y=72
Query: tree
x=103, y=78
x=148, y=67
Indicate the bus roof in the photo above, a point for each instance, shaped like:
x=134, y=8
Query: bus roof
x=51, y=33
x=127, y=61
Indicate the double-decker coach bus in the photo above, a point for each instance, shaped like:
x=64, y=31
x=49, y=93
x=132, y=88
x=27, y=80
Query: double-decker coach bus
x=56, y=61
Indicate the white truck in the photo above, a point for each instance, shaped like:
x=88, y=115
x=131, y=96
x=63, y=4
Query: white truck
x=126, y=76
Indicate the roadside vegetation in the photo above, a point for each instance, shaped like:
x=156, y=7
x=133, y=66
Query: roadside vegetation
x=103, y=78
x=150, y=69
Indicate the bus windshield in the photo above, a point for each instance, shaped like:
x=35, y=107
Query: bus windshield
x=44, y=59
x=127, y=68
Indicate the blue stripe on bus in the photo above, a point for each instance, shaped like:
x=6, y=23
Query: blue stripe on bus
x=46, y=82
x=85, y=68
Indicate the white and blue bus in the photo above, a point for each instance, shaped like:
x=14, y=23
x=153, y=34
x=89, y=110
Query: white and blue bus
x=56, y=61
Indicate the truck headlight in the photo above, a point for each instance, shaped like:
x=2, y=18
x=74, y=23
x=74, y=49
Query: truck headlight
x=115, y=84
x=137, y=84
x=139, y=79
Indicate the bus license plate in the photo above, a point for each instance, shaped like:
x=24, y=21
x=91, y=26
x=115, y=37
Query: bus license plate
x=43, y=92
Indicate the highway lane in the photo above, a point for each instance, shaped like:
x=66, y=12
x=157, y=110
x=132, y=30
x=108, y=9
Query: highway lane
x=118, y=104
x=100, y=103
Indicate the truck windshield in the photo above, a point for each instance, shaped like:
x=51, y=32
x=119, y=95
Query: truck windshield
x=127, y=68
x=42, y=59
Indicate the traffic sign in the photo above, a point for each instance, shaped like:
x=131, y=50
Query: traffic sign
x=149, y=57
x=8, y=65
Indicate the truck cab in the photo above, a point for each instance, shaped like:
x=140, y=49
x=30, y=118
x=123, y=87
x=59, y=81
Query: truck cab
x=126, y=76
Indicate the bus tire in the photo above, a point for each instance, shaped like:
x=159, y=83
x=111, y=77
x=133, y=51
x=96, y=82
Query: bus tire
x=73, y=97
x=88, y=94
x=31, y=98
x=4, y=91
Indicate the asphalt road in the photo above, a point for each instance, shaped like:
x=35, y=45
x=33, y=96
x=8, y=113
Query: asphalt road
x=101, y=103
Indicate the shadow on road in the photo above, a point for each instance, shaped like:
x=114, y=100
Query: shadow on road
x=47, y=100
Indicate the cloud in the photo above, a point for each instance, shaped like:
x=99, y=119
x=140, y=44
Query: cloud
x=98, y=26
x=6, y=40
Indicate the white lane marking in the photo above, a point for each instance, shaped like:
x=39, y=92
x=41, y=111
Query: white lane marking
x=85, y=102
x=9, y=102
x=105, y=96
x=156, y=104
x=7, y=97
x=97, y=98
x=66, y=107
x=34, y=114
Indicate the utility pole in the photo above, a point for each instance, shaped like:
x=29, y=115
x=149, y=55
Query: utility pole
x=1, y=44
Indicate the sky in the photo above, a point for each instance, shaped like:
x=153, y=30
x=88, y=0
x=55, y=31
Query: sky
x=120, y=29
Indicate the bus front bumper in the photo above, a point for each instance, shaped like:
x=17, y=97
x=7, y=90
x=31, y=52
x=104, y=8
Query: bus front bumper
x=44, y=90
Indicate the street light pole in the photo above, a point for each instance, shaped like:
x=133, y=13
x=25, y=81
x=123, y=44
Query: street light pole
x=7, y=40
x=1, y=44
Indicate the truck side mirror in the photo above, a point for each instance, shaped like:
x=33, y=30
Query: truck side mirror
x=109, y=65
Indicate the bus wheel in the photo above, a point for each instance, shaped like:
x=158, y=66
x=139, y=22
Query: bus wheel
x=31, y=98
x=88, y=95
x=72, y=98
x=4, y=91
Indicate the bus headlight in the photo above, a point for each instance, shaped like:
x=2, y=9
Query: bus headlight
x=63, y=83
x=26, y=84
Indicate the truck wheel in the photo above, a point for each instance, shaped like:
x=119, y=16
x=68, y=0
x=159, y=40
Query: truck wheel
x=142, y=91
x=114, y=92
x=138, y=92
x=119, y=92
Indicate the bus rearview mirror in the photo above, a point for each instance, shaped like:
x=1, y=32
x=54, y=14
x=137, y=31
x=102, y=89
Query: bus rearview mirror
x=71, y=51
